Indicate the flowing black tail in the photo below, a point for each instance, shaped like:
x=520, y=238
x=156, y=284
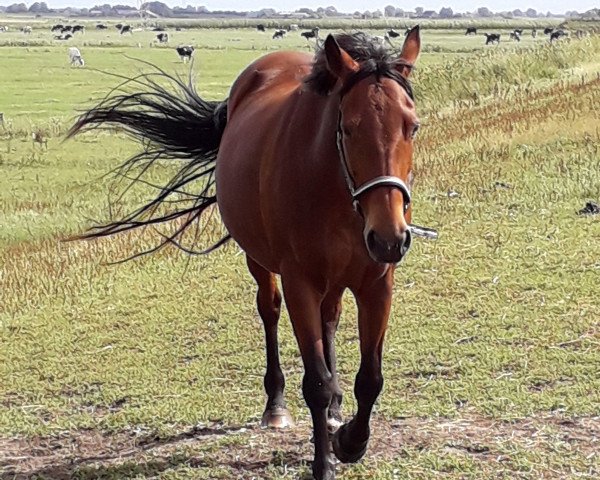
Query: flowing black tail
x=172, y=123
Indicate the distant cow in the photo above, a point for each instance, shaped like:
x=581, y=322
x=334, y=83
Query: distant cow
x=75, y=57
x=293, y=27
x=279, y=34
x=162, y=37
x=158, y=29
x=260, y=27
x=314, y=33
x=26, y=29
x=3, y=28
x=519, y=31
x=66, y=28
x=185, y=52
x=119, y=26
x=548, y=30
x=57, y=27
x=78, y=28
x=63, y=36
x=557, y=35
x=492, y=38
x=126, y=29
x=392, y=33
x=101, y=26
x=471, y=31
x=515, y=36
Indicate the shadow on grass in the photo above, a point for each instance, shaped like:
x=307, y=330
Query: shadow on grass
x=125, y=456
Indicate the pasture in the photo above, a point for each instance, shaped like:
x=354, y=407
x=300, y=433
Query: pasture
x=153, y=368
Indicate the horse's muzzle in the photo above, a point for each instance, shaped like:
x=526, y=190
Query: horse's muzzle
x=388, y=250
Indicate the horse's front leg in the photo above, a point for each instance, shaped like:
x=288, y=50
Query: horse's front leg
x=303, y=302
x=350, y=441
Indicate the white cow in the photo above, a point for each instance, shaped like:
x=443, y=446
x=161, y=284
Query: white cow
x=75, y=57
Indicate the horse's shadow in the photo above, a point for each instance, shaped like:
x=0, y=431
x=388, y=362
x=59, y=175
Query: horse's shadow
x=121, y=462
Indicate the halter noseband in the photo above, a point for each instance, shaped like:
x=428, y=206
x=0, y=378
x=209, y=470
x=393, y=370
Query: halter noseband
x=383, y=180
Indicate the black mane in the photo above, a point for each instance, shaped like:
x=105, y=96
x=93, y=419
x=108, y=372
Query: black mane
x=372, y=56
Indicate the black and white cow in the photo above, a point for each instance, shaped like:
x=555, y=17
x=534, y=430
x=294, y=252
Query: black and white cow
x=314, y=33
x=126, y=29
x=261, y=28
x=471, y=31
x=78, y=28
x=162, y=37
x=185, y=52
x=101, y=26
x=392, y=33
x=279, y=34
x=492, y=38
x=57, y=27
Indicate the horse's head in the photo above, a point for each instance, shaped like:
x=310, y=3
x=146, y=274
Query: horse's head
x=376, y=128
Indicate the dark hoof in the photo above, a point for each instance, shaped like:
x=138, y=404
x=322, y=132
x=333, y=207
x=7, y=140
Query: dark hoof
x=344, y=450
x=324, y=470
x=278, y=417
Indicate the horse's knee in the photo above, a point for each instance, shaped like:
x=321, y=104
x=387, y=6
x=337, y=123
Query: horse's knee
x=318, y=389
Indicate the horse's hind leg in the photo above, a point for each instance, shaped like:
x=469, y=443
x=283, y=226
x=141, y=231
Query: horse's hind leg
x=268, y=300
x=331, y=308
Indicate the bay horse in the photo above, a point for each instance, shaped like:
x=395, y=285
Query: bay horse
x=309, y=161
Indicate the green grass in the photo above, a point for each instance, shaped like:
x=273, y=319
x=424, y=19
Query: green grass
x=495, y=324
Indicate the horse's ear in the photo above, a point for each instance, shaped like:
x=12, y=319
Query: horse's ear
x=339, y=63
x=410, y=50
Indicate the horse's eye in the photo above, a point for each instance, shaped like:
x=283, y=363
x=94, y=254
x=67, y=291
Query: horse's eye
x=414, y=131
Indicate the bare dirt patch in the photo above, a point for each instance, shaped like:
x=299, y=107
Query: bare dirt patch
x=249, y=452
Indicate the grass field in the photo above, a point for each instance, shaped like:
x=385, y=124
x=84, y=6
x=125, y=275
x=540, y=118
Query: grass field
x=153, y=368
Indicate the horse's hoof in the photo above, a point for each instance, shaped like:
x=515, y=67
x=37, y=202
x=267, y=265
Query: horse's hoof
x=277, y=417
x=343, y=452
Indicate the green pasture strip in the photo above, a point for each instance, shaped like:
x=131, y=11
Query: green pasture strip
x=497, y=318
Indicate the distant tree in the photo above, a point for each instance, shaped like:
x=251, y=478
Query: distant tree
x=399, y=12
x=377, y=14
x=484, y=12
x=331, y=12
x=159, y=8
x=17, y=8
x=390, y=11
x=419, y=11
x=202, y=9
x=446, y=12
x=39, y=7
x=531, y=12
x=367, y=14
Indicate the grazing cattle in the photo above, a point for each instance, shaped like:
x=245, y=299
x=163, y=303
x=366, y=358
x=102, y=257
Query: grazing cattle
x=471, y=31
x=57, y=27
x=78, y=28
x=314, y=33
x=519, y=31
x=392, y=33
x=533, y=33
x=66, y=28
x=75, y=57
x=515, y=36
x=119, y=26
x=126, y=29
x=162, y=37
x=3, y=28
x=101, y=26
x=293, y=27
x=261, y=28
x=548, y=30
x=492, y=38
x=279, y=34
x=26, y=29
x=185, y=52
x=158, y=29
x=63, y=36
x=557, y=35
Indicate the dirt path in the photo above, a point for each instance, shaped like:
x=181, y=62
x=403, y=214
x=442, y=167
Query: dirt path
x=249, y=452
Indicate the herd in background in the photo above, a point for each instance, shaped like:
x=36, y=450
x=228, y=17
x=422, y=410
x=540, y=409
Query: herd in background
x=185, y=52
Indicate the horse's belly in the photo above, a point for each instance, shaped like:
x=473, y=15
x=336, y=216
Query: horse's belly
x=238, y=198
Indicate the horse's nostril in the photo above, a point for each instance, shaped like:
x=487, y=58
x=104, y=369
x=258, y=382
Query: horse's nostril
x=388, y=251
